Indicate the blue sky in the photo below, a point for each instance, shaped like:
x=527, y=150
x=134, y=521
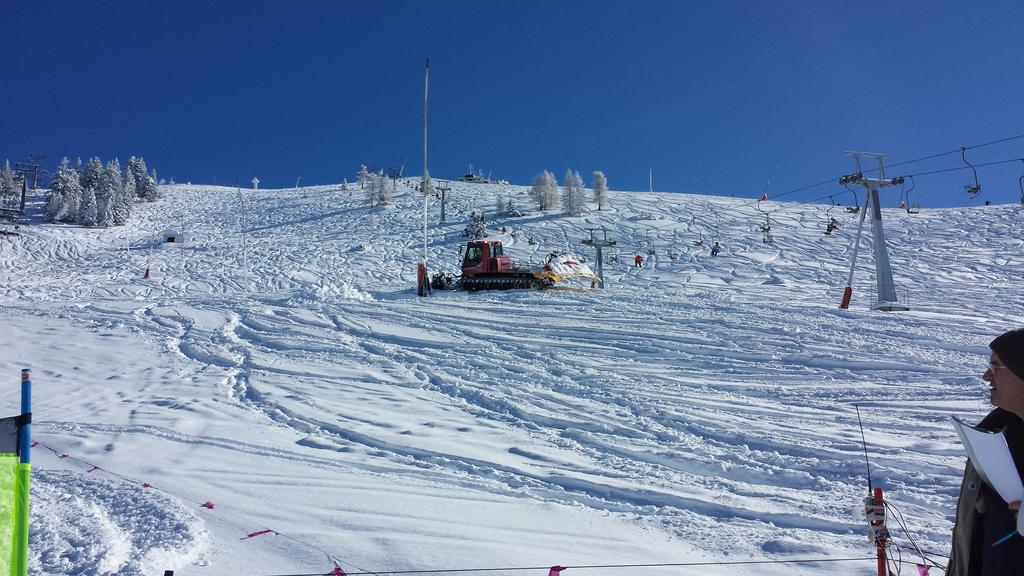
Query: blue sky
x=716, y=96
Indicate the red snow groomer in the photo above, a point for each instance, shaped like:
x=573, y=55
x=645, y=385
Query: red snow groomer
x=486, y=267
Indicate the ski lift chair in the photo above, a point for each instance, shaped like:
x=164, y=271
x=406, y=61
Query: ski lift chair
x=855, y=208
x=972, y=191
x=650, y=243
x=830, y=222
x=911, y=208
x=766, y=228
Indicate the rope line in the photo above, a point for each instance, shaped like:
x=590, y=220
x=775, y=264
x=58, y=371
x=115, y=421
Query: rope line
x=602, y=566
x=361, y=571
x=218, y=515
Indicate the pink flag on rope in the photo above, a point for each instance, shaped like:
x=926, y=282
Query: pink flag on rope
x=922, y=570
x=337, y=572
x=207, y=504
x=555, y=570
x=257, y=533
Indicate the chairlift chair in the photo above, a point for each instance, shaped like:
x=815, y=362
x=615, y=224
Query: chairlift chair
x=905, y=198
x=700, y=233
x=766, y=228
x=972, y=191
x=830, y=222
x=855, y=208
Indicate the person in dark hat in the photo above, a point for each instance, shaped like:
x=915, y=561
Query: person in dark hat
x=983, y=519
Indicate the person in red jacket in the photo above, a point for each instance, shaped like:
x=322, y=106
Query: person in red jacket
x=638, y=261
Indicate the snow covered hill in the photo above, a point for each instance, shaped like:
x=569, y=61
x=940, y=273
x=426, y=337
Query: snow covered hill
x=279, y=366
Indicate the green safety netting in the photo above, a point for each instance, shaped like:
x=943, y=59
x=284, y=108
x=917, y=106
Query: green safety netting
x=14, y=491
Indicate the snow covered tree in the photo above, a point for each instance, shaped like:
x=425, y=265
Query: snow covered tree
x=363, y=177
x=551, y=190
x=65, y=194
x=90, y=176
x=128, y=196
x=537, y=192
x=151, y=192
x=572, y=193
x=8, y=188
x=137, y=167
x=511, y=210
x=87, y=213
x=544, y=191
x=369, y=187
x=477, y=227
x=108, y=195
x=386, y=189
x=600, y=189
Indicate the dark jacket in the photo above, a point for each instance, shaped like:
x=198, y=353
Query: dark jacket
x=982, y=517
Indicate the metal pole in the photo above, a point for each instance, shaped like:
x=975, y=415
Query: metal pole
x=25, y=437
x=848, y=292
x=241, y=227
x=23, y=477
x=426, y=175
x=880, y=540
x=883, y=270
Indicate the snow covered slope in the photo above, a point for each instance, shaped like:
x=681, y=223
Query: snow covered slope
x=699, y=409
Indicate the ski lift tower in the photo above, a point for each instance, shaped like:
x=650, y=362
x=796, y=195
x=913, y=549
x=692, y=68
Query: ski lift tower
x=599, y=243
x=887, y=300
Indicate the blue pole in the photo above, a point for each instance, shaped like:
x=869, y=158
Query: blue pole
x=26, y=410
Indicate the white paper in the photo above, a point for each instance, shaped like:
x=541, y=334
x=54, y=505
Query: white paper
x=992, y=459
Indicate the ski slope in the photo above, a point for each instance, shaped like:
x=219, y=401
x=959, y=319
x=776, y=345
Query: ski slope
x=280, y=366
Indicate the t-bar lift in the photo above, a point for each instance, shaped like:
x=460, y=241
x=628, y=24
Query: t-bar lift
x=887, y=300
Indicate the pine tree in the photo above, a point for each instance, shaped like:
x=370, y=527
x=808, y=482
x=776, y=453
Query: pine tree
x=152, y=191
x=600, y=189
x=87, y=214
x=90, y=176
x=137, y=166
x=108, y=196
x=128, y=195
x=8, y=188
x=65, y=194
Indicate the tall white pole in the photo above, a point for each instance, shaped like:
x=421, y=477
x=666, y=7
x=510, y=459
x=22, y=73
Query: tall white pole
x=241, y=228
x=426, y=175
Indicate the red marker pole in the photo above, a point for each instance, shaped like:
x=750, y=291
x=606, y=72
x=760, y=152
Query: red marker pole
x=881, y=535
